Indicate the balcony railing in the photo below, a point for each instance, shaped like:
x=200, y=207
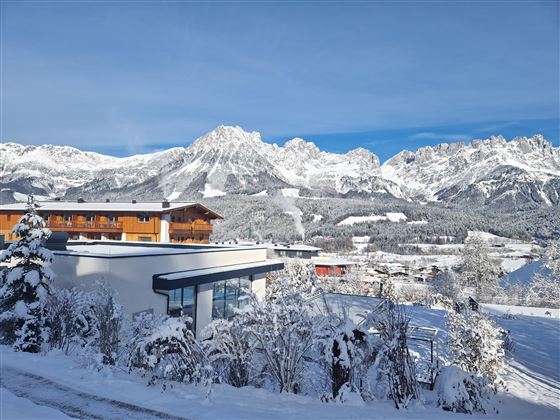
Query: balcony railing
x=85, y=226
x=202, y=228
x=189, y=228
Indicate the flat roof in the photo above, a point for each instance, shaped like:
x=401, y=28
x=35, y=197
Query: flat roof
x=112, y=206
x=118, y=249
x=331, y=261
x=283, y=247
x=188, y=278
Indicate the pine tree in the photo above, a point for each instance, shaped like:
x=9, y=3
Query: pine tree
x=24, y=293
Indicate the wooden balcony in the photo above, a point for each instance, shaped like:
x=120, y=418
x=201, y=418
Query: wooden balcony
x=202, y=229
x=190, y=229
x=60, y=225
x=185, y=228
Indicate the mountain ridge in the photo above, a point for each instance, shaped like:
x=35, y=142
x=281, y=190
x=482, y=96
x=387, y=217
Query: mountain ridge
x=229, y=160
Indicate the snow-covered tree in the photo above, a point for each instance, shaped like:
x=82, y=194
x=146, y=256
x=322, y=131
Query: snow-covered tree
x=475, y=345
x=168, y=350
x=283, y=330
x=447, y=284
x=24, y=292
x=230, y=347
x=478, y=270
x=387, y=289
x=394, y=359
x=552, y=257
x=544, y=290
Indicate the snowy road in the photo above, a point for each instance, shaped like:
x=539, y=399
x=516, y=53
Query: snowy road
x=45, y=392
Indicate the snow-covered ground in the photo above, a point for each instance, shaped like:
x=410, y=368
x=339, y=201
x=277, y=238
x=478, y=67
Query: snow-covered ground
x=392, y=217
x=532, y=378
x=14, y=407
x=209, y=191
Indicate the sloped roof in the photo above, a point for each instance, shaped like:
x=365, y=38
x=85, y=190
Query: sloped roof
x=113, y=206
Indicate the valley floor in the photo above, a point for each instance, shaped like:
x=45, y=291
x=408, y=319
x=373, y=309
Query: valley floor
x=56, y=386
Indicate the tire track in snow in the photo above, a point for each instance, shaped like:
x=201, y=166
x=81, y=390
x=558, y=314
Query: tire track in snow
x=43, y=391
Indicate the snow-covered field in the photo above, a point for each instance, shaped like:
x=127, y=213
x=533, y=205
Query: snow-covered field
x=392, y=217
x=532, y=378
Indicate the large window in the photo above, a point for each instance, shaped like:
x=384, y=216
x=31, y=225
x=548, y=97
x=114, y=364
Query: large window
x=229, y=295
x=182, y=302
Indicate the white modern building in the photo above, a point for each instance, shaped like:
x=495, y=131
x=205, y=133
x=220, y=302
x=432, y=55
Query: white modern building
x=204, y=282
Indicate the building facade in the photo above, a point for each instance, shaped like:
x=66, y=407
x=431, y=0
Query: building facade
x=204, y=282
x=164, y=221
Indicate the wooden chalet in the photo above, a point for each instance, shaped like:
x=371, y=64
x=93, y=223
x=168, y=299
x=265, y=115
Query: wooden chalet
x=164, y=221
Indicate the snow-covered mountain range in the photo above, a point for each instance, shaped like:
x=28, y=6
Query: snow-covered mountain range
x=229, y=160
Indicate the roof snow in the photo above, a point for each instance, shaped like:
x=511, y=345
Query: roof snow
x=140, y=206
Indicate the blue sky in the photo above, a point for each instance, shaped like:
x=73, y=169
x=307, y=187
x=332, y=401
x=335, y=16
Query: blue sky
x=131, y=77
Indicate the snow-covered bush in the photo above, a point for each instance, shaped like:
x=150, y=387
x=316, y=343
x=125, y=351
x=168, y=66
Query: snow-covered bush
x=441, y=301
x=350, y=284
x=168, y=350
x=106, y=324
x=475, y=347
x=346, y=353
x=413, y=294
x=230, y=348
x=394, y=359
x=71, y=319
x=301, y=273
x=24, y=292
x=462, y=392
x=283, y=331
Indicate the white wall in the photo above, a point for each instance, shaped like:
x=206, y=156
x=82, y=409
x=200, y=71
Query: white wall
x=204, y=306
x=164, y=227
x=132, y=277
x=259, y=286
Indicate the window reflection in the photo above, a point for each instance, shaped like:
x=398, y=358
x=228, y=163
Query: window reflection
x=183, y=302
x=229, y=295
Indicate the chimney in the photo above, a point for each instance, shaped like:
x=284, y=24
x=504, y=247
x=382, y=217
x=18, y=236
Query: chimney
x=165, y=204
x=80, y=200
x=133, y=201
